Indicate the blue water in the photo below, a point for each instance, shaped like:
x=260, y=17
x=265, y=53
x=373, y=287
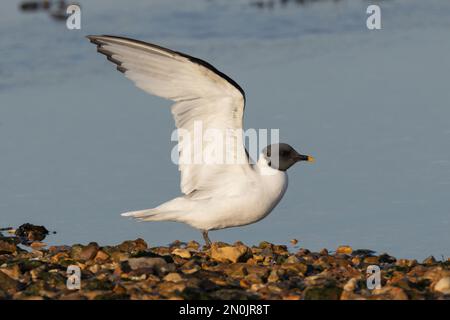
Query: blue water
x=79, y=144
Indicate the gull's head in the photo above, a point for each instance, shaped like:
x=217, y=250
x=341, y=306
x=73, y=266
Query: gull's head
x=282, y=156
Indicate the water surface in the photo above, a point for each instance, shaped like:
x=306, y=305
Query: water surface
x=79, y=143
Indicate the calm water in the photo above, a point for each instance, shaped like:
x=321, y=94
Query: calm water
x=79, y=143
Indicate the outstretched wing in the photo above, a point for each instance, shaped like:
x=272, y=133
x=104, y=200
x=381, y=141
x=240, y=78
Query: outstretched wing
x=203, y=96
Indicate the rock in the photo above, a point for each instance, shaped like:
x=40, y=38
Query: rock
x=133, y=246
x=430, y=260
x=193, y=245
x=12, y=271
x=363, y=252
x=385, y=258
x=36, y=245
x=443, y=286
x=344, y=250
x=101, y=256
x=391, y=293
x=183, y=253
x=292, y=259
x=229, y=253
x=145, y=262
x=406, y=263
x=7, y=247
x=371, y=260
x=294, y=242
x=326, y=292
x=28, y=233
x=351, y=285
x=7, y=284
x=84, y=253
x=323, y=252
x=299, y=268
x=173, y=277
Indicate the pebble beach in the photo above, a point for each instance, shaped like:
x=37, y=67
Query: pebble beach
x=29, y=269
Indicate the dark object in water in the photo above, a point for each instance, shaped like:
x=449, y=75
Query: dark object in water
x=35, y=5
x=28, y=233
x=363, y=253
x=29, y=6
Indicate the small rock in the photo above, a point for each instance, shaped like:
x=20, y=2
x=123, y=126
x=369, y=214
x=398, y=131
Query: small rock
x=292, y=259
x=133, y=246
x=101, y=256
x=28, y=233
x=12, y=271
x=7, y=247
x=351, y=285
x=443, y=285
x=344, y=250
x=146, y=262
x=194, y=245
x=429, y=260
x=38, y=245
x=7, y=284
x=183, y=253
x=371, y=260
x=88, y=252
x=229, y=253
x=328, y=292
x=294, y=242
x=174, y=277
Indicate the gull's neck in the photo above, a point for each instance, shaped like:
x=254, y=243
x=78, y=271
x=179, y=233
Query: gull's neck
x=263, y=168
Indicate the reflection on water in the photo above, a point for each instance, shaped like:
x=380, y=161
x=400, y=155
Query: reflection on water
x=79, y=143
x=55, y=9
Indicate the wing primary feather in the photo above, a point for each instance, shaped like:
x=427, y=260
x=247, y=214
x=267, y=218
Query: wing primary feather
x=195, y=60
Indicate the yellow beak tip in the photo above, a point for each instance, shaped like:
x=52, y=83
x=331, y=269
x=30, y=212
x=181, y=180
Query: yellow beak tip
x=311, y=159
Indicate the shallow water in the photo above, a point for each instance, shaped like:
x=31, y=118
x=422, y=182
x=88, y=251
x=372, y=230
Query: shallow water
x=79, y=143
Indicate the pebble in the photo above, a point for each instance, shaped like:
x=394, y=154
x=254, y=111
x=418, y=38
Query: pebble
x=228, y=253
x=443, y=286
x=344, y=250
x=145, y=262
x=183, y=253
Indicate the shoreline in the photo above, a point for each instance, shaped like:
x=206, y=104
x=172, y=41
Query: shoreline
x=133, y=270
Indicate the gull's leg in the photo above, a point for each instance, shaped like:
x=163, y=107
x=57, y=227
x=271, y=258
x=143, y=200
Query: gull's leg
x=205, y=236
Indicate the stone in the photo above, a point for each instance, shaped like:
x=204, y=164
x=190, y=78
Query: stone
x=89, y=252
x=344, y=250
x=101, y=256
x=7, y=247
x=294, y=242
x=351, y=285
x=133, y=246
x=292, y=259
x=28, y=233
x=371, y=260
x=146, y=262
x=173, y=277
x=391, y=293
x=12, y=271
x=443, y=286
x=327, y=292
x=183, y=253
x=229, y=253
x=7, y=284
x=429, y=260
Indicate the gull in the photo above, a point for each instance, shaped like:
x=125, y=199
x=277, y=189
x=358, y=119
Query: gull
x=215, y=195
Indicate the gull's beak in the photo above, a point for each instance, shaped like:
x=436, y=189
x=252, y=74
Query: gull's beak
x=302, y=157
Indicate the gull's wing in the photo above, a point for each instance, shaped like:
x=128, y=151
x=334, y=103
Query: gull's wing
x=201, y=93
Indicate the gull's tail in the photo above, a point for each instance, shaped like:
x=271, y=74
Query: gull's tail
x=173, y=210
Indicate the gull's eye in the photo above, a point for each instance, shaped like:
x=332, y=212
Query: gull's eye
x=284, y=153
